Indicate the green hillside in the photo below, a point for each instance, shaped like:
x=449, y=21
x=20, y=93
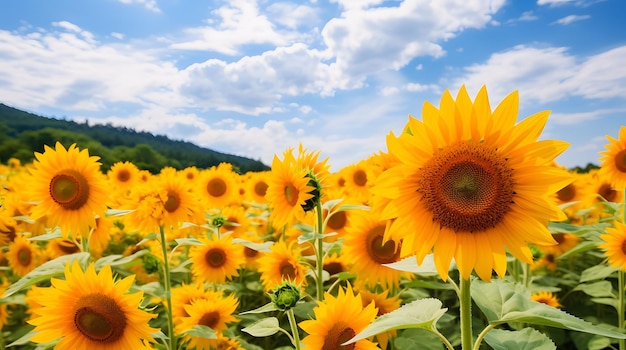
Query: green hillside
x=22, y=133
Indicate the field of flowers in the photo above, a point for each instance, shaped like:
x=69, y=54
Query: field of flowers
x=463, y=234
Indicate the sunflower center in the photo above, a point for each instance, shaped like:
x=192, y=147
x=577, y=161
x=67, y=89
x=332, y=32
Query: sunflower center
x=99, y=318
x=123, y=175
x=559, y=237
x=210, y=319
x=338, y=220
x=233, y=223
x=337, y=336
x=216, y=187
x=333, y=268
x=359, y=177
x=215, y=257
x=291, y=194
x=624, y=247
x=607, y=192
x=287, y=271
x=69, y=189
x=567, y=193
x=172, y=203
x=467, y=187
x=249, y=252
x=67, y=246
x=381, y=253
x=24, y=256
x=260, y=188
x=620, y=161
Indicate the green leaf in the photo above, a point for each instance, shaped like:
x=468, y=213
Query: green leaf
x=525, y=339
x=117, y=259
x=422, y=313
x=597, y=272
x=117, y=212
x=45, y=271
x=265, y=308
x=147, y=239
x=202, y=331
x=259, y=247
x=263, y=327
x=329, y=205
x=352, y=207
x=409, y=264
x=598, y=289
x=503, y=302
x=188, y=241
x=417, y=338
x=56, y=233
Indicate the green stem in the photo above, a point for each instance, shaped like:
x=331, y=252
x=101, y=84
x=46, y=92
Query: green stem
x=465, y=300
x=620, y=281
x=444, y=340
x=294, y=329
x=168, y=291
x=482, y=334
x=319, y=252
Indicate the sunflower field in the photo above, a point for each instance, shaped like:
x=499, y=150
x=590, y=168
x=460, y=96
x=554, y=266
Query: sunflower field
x=463, y=234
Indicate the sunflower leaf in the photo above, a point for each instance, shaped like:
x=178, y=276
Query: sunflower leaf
x=597, y=272
x=263, y=327
x=409, y=264
x=422, y=313
x=525, y=339
x=118, y=212
x=504, y=302
x=202, y=331
x=45, y=271
x=352, y=207
x=597, y=289
x=265, y=308
x=188, y=241
x=56, y=233
x=259, y=247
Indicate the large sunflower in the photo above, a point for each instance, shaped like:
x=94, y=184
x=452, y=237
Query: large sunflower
x=367, y=252
x=470, y=182
x=217, y=260
x=337, y=320
x=614, y=160
x=91, y=311
x=217, y=186
x=615, y=238
x=69, y=188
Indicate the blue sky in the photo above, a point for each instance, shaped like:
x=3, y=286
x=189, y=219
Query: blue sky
x=253, y=77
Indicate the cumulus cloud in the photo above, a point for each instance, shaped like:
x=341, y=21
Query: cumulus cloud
x=234, y=25
x=571, y=19
x=545, y=74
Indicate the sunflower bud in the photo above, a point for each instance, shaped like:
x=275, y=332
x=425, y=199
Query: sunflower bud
x=150, y=263
x=314, y=182
x=285, y=296
x=218, y=221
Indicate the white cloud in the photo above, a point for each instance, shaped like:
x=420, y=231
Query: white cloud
x=579, y=117
x=236, y=24
x=547, y=74
x=528, y=16
x=571, y=19
x=292, y=15
x=148, y=4
x=554, y=2
x=365, y=40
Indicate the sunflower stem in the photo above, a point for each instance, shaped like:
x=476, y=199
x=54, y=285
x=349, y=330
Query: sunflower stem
x=319, y=252
x=294, y=328
x=168, y=291
x=465, y=300
x=620, y=282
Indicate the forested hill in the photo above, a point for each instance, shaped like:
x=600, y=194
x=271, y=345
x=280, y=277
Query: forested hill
x=23, y=133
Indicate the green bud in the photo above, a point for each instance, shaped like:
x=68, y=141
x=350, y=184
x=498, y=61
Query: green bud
x=311, y=203
x=218, y=221
x=150, y=263
x=285, y=296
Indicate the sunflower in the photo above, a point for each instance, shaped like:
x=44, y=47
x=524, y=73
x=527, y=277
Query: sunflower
x=337, y=320
x=367, y=251
x=614, y=160
x=257, y=185
x=61, y=246
x=22, y=255
x=547, y=298
x=615, y=241
x=281, y=263
x=123, y=175
x=7, y=228
x=217, y=260
x=215, y=314
x=565, y=242
x=91, y=311
x=217, y=186
x=101, y=235
x=237, y=220
x=185, y=294
x=288, y=192
x=357, y=181
x=471, y=182
x=69, y=188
